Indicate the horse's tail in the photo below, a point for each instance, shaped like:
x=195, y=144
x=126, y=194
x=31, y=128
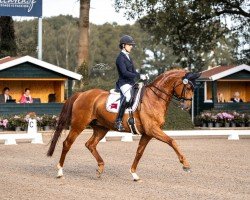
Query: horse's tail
x=63, y=122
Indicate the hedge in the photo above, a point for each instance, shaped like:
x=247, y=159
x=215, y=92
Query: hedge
x=178, y=119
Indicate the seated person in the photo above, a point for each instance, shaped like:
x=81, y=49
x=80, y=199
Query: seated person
x=236, y=98
x=5, y=95
x=221, y=98
x=26, y=97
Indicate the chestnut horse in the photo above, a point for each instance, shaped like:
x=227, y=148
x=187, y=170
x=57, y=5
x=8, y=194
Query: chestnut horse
x=88, y=108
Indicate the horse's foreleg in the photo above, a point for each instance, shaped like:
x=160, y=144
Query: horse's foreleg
x=99, y=133
x=160, y=135
x=141, y=147
x=66, y=146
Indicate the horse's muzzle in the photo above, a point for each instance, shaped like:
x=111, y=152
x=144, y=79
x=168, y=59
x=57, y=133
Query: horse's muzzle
x=185, y=106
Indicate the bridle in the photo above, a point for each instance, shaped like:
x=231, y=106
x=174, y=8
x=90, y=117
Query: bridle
x=182, y=97
x=185, y=82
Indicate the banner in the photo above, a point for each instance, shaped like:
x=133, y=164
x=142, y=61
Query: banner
x=32, y=8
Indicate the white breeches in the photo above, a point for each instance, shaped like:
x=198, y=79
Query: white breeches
x=126, y=91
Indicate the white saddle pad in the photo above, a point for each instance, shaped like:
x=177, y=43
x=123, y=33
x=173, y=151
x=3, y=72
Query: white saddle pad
x=113, y=101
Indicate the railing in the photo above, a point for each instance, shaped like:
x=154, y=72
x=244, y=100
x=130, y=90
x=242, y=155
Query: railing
x=229, y=133
x=242, y=107
x=38, y=108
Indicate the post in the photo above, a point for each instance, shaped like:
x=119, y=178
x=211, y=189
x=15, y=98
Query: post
x=192, y=111
x=32, y=126
x=214, y=91
x=70, y=85
x=32, y=130
x=40, y=39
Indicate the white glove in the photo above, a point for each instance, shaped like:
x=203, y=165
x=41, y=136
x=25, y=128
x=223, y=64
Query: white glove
x=143, y=77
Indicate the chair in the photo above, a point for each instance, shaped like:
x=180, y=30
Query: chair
x=51, y=98
x=36, y=100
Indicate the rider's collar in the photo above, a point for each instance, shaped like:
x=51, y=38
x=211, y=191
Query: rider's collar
x=126, y=53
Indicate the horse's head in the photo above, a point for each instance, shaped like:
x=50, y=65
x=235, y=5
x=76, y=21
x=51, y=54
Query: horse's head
x=184, y=88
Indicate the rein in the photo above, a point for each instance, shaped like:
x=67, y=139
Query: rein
x=178, y=98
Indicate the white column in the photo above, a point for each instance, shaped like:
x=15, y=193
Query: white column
x=40, y=39
x=32, y=130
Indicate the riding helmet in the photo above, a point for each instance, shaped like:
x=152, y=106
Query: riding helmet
x=126, y=39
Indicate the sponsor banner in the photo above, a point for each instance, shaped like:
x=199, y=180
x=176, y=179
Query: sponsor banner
x=32, y=8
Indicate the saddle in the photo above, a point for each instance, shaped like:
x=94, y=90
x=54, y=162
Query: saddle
x=113, y=100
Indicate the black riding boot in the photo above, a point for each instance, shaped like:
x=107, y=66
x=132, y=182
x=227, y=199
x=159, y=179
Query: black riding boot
x=118, y=121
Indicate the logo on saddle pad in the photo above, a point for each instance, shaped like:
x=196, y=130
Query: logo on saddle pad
x=113, y=100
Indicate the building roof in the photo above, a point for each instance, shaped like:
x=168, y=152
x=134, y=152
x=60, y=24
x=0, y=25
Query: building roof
x=222, y=71
x=7, y=59
x=9, y=62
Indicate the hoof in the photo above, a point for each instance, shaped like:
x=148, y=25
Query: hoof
x=60, y=177
x=138, y=180
x=98, y=173
x=187, y=169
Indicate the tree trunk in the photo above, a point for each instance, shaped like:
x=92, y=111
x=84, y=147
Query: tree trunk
x=83, y=43
x=8, y=46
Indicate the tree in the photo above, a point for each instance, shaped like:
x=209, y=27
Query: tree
x=26, y=37
x=8, y=45
x=83, y=42
x=190, y=28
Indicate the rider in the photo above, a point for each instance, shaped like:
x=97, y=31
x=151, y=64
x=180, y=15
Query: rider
x=127, y=74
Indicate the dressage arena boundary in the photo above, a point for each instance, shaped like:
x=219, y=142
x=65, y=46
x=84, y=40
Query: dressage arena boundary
x=32, y=134
x=232, y=134
x=36, y=138
x=10, y=139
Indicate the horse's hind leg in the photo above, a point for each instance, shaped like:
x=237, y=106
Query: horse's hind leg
x=141, y=147
x=99, y=133
x=74, y=132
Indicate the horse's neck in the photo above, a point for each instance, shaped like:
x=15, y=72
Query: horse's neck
x=154, y=106
x=159, y=97
x=160, y=93
x=164, y=86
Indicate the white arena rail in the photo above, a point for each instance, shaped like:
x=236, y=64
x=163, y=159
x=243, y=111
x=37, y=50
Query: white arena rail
x=232, y=134
x=32, y=134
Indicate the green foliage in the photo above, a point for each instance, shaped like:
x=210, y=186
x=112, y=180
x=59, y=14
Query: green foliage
x=17, y=121
x=60, y=45
x=178, y=119
x=47, y=120
x=191, y=28
x=59, y=40
x=8, y=45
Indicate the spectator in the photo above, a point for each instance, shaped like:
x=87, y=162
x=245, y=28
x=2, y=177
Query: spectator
x=26, y=97
x=5, y=95
x=221, y=98
x=236, y=98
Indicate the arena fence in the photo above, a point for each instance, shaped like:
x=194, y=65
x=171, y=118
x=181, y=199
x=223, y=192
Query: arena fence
x=32, y=134
x=36, y=138
x=231, y=134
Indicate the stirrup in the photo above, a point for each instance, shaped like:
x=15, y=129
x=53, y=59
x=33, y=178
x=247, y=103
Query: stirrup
x=119, y=126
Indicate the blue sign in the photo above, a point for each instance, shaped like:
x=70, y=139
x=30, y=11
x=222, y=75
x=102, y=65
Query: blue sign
x=32, y=8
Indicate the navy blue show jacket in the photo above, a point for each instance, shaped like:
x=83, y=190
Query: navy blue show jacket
x=126, y=70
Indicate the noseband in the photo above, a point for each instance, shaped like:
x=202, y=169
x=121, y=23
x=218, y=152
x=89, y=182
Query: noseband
x=178, y=98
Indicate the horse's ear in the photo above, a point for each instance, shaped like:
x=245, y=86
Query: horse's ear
x=187, y=75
